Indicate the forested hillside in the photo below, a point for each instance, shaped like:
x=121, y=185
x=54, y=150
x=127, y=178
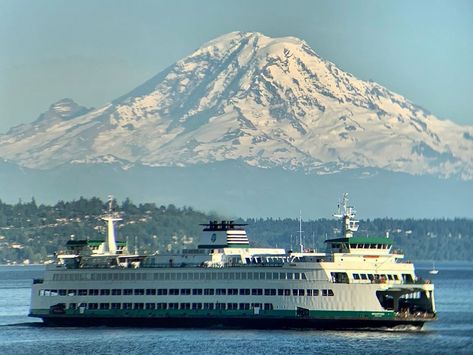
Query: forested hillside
x=33, y=232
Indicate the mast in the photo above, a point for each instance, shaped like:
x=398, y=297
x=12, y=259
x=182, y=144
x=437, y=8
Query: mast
x=347, y=214
x=301, y=245
x=111, y=217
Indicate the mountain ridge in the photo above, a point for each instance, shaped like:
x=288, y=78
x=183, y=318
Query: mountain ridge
x=266, y=102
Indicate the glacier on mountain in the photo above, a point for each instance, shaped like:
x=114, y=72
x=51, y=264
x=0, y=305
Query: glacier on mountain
x=268, y=102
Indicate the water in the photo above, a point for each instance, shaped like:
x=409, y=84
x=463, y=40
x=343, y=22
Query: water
x=452, y=333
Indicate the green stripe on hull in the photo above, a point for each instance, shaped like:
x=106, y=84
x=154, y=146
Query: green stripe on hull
x=144, y=313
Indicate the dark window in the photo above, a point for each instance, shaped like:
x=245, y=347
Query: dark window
x=161, y=306
x=196, y=305
x=209, y=291
x=254, y=305
x=315, y=292
x=139, y=291
x=295, y=292
x=72, y=305
x=220, y=306
x=268, y=306
x=309, y=292
x=162, y=292
x=173, y=306
x=280, y=292
x=116, y=292
x=256, y=291
x=116, y=305
x=185, y=306
x=301, y=292
x=244, y=306
x=174, y=291
x=221, y=291
x=150, y=306
x=356, y=276
x=185, y=291
x=196, y=291
x=93, y=292
x=104, y=292
x=127, y=306
x=208, y=306
x=244, y=291
x=324, y=292
x=127, y=291
x=62, y=292
x=104, y=306
x=150, y=291
x=364, y=277
x=232, y=291
x=92, y=306
x=287, y=292
x=139, y=306
x=232, y=306
x=330, y=292
x=71, y=292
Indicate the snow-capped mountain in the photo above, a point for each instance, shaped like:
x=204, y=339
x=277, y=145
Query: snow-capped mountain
x=269, y=102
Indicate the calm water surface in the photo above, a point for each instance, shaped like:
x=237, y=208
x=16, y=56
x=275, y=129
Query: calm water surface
x=452, y=333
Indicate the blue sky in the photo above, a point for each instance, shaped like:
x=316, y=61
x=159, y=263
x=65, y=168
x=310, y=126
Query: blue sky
x=94, y=51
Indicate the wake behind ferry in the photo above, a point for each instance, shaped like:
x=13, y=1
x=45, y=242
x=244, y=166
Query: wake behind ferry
x=360, y=282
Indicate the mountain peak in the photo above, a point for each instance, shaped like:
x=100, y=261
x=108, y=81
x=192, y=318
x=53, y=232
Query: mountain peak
x=64, y=109
x=268, y=102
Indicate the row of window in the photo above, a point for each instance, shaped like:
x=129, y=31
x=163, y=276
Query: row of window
x=173, y=305
x=184, y=276
x=188, y=292
x=373, y=277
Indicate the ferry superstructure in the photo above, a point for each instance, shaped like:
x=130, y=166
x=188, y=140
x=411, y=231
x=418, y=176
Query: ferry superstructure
x=360, y=282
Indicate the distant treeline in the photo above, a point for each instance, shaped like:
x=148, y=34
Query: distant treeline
x=29, y=231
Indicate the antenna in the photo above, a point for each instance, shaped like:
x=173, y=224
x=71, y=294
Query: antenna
x=300, y=231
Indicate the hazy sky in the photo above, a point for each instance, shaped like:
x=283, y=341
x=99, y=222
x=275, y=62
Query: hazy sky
x=94, y=51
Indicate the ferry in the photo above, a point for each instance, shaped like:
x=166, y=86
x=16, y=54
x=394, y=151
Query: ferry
x=359, y=282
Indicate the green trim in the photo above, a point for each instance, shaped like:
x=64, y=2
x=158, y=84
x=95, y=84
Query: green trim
x=189, y=313
x=361, y=240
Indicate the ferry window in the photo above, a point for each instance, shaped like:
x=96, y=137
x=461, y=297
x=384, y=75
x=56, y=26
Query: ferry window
x=221, y=291
x=262, y=275
x=396, y=277
x=254, y=305
x=109, y=276
x=196, y=305
x=231, y=276
x=185, y=306
x=301, y=292
x=232, y=291
x=92, y=306
x=257, y=291
x=324, y=292
x=282, y=276
x=297, y=276
x=82, y=292
x=104, y=306
x=161, y=305
x=250, y=276
x=197, y=291
x=287, y=292
x=268, y=306
x=309, y=292
x=243, y=275
x=364, y=277
x=132, y=276
x=244, y=306
x=93, y=292
x=174, y=291
x=303, y=276
x=139, y=306
x=116, y=305
x=330, y=292
x=139, y=292
x=269, y=276
x=62, y=292
x=356, y=276
x=72, y=305
x=390, y=277
x=173, y=306
x=127, y=291
x=179, y=276
x=270, y=292
x=126, y=276
x=275, y=275
x=256, y=276
x=155, y=276
x=220, y=306
x=370, y=277
x=213, y=276
x=315, y=292
x=244, y=291
x=407, y=278
x=150, y=306
x=280, y=292
x=185, y=291
x=208, y=306
x=104, y=292
x=209, y=291
x=126, y=305
x=71, y=292
x=232, y=306
x=295, y=292
x=151, y=291
x=167, y=276
x=184, y=276
x=289, y=276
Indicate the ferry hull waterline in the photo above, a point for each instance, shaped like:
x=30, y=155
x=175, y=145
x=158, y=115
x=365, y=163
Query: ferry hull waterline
x=360, y=282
